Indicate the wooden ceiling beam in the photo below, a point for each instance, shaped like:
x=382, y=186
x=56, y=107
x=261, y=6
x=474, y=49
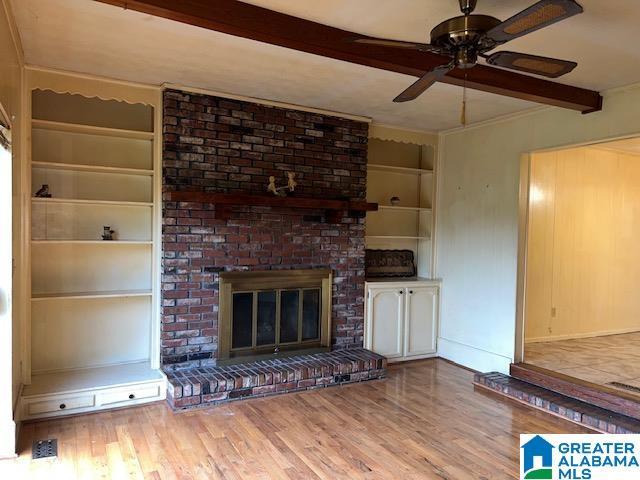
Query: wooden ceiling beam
x=256, y=23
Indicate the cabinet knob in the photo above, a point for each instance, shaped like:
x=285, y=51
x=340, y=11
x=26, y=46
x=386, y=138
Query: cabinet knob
x=411, y=292
x=62, y=406
x=401, y=292
x=132, y=396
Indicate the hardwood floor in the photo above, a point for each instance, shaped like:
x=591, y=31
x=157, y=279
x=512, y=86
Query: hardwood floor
x=424, y=421
x=601, y=360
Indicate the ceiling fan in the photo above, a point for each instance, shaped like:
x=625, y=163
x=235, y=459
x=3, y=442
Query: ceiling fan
x=469, y=36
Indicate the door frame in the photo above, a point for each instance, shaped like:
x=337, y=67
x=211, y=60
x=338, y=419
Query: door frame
x=7, y=423
x=523, y=233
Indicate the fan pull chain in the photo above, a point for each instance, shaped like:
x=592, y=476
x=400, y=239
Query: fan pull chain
x=463, y=116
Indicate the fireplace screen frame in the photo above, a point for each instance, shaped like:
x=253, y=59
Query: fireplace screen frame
x=278, y=281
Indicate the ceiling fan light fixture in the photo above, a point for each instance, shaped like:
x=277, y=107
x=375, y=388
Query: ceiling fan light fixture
x=466, y=58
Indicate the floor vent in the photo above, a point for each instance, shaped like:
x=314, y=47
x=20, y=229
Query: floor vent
x=45, y=448
x=631, y=388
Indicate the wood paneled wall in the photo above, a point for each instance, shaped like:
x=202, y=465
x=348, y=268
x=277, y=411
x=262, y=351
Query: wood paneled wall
x=583, y=261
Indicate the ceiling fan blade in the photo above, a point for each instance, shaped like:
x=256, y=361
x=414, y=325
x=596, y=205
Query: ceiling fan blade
x=545, y=66
x=423, y=47
x=428, y=79
x=540, y=15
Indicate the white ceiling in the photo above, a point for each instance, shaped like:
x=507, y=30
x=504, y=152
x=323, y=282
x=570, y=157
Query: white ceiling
x=91, y=37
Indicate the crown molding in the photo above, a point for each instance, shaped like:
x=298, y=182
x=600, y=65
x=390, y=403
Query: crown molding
x=262, y=101
x=404, y=129
x=496, y=120
x=90, y=76
x=623, y=88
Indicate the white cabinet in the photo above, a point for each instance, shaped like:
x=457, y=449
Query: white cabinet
x=402, y=319
x=385, y=333
x=420, y=316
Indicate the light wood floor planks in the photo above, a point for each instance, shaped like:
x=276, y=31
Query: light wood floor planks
x=601, y=360
x=424, y=421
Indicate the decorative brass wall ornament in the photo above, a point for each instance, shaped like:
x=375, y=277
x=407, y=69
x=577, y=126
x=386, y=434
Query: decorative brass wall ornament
x=282, y=191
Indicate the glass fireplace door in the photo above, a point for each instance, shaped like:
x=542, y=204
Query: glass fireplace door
x=271, y=320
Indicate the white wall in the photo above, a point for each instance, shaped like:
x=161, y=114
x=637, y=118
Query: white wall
x=583, y=267
x=477, y=230
x=10, y=98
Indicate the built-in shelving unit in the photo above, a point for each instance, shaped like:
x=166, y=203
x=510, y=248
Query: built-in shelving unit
x=407, y=171
x=94, y=315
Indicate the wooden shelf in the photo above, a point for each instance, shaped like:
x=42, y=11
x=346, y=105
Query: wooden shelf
x=405, y=170
x=91, y=202
x=92, y=242
x=91, y=378
x=335, y=209
x=90, y=295
x=412, y=209
x=91, y=130
x=395, y=237
x=92, y=168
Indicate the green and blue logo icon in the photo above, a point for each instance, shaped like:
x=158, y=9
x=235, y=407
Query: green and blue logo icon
x=537, y=459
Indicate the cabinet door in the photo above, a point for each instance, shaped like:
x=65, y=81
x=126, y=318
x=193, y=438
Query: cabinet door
x=385, y=321
x=421, y=316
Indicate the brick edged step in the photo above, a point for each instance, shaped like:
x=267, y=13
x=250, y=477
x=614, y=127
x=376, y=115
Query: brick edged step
x=612, y=399
x=194, y=387
x=576, y=411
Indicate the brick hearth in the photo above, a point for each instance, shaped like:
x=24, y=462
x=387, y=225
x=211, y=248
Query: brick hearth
x=212, y=385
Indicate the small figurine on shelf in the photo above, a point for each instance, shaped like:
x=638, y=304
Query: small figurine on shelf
x=43, y=192
x=395, y=201
x=107, y=234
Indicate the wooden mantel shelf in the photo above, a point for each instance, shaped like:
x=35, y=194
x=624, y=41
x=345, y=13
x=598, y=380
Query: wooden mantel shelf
x=334, y=209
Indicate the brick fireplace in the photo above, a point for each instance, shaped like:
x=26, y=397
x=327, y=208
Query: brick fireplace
x=213, y=144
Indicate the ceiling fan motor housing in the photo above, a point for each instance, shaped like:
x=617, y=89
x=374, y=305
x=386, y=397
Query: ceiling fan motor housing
x=463, y=37
x=468, y=6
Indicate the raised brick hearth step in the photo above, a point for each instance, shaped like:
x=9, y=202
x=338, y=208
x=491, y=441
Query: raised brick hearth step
x=574, y=410
x=212, y=385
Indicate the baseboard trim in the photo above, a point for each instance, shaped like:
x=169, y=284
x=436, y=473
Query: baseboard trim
x=411, y=359
x=605, y=333
x=472, y=357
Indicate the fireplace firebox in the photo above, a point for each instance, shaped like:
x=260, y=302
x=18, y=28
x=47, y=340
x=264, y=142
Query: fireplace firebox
x=267, y=313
